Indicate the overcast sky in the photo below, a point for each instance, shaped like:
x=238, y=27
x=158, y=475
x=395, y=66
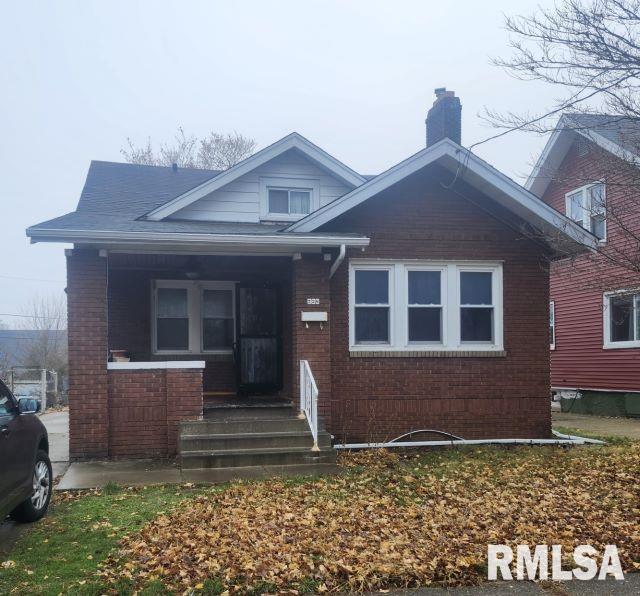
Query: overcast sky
x=356, y=78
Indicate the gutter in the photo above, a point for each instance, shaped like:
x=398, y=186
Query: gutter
x=113, y=237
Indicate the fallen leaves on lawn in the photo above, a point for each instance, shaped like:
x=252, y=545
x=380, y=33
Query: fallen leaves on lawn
x=395, y=523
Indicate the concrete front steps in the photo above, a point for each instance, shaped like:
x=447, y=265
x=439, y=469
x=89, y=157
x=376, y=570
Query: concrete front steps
x=252, y=440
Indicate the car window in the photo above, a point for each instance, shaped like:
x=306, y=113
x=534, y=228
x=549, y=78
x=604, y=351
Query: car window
x=6, y=405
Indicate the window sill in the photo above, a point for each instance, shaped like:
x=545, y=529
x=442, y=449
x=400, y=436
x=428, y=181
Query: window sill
x=284, y=217
x=626, y=345
x=427, y=353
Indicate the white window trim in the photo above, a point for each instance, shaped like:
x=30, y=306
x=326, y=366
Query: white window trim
x=552, y=316
x=586, y=213
x=450, y=296
x=312, y=184
x=606, y=327
x=194, y=304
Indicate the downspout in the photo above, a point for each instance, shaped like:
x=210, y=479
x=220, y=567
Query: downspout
x=338, y=261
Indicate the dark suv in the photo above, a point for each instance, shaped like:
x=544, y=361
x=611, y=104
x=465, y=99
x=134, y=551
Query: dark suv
x=25, y=469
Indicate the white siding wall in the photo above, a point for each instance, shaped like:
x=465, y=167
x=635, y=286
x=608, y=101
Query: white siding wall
x=240, y=200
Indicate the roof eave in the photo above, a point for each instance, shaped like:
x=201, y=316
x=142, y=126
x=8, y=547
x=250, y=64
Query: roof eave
x=181, y=239
x=539, y=213
x=538, y=180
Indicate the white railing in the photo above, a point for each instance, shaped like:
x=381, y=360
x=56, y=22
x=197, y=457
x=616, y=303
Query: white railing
x=309, y=400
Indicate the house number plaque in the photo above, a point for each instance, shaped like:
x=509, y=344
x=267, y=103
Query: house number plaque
x=313, y=301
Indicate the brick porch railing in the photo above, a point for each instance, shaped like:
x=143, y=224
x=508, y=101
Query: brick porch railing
x=147, y=401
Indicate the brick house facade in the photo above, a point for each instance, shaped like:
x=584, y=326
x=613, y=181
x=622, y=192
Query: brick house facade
x=417, y=299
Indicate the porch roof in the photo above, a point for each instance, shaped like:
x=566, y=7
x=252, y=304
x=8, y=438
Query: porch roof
x=115, y=231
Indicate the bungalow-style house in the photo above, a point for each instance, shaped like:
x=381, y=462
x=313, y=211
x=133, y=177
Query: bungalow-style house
x=589, y=171
x=416, y=299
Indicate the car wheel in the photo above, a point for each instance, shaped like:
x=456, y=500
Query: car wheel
x=33, y=508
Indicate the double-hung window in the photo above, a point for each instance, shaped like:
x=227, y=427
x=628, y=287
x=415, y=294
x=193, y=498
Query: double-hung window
x=425, y=306
x=172, y=319
x=622, y=319
x=193, y=317
x=476, y=306
x=587, y=206
x=372, y=305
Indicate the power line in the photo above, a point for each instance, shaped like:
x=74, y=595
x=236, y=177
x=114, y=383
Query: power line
x=25, y=337
x=53, y=281
x=8, y=314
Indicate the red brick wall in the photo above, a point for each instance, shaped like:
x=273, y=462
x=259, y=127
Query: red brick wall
x=117, y=413
x=577, y=286
x=473, y=397
x=312, y=343
x=146, y=407
x=87, y=323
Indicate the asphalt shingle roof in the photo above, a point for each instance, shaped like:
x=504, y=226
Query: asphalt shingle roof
x=624, y=132
x=113, y=187
x=116, y=196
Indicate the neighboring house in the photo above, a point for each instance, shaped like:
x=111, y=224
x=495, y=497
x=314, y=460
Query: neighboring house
x=587, y=171
x=411, y=300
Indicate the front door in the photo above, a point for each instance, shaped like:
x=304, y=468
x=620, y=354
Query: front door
x=258, y=337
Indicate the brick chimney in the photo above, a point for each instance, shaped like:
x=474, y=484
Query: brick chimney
x=444, y=119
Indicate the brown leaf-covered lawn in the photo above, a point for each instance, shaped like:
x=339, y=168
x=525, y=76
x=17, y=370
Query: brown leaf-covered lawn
x=389, y=521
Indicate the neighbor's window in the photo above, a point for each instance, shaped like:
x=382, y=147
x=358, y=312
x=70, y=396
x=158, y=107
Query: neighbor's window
x=622, y=320
x=193, y=317
x=289, y=201
x=552, y=324
x=406, y=306
x=587, y=207
x=372, y=306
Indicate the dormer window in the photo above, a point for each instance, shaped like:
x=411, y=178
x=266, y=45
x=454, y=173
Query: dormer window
x=586, y=206
x=288, y=199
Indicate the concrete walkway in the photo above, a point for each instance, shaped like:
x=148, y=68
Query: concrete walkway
x=96, y=474
x=599, y=425
x=57, y=424
x=630, y=586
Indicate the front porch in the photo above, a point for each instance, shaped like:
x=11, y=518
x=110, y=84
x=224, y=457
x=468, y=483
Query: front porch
x=186, y=337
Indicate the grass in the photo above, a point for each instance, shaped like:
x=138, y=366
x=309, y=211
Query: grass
x=380, y=521
x=60, y=554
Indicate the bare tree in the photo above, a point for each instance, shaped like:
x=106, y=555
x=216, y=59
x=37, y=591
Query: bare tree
x=5, y=361
x=214, y=152
x=46, y=315
x=590, y=51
